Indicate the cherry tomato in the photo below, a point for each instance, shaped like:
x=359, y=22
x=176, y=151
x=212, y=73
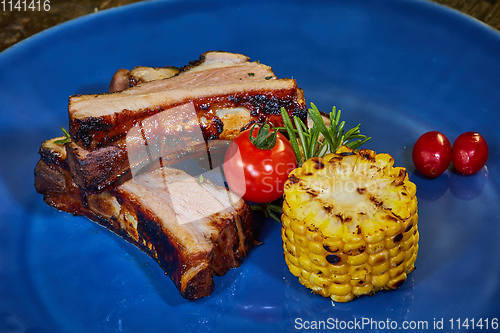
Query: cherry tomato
x=432, y=154
x=470, y=153
x=258, y=175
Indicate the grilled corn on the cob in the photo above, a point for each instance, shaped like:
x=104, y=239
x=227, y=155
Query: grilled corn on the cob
x=350, y=224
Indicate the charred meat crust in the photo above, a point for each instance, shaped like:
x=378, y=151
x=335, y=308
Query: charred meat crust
x=49, y=178
x=95, y=132
x=225, y=246
x=83, y=131
x=50, y=156
x=233, y=242
x=169, y=255
x=93, y=171
x=96, y=170
x=58, y=190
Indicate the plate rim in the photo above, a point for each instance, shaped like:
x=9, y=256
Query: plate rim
x=427, y=4
x=87, y=19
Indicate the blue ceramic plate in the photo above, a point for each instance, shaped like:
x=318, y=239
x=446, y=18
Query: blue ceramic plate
x=399, y=67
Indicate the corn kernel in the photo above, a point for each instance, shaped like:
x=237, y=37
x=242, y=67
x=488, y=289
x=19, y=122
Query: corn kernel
x=340, y=289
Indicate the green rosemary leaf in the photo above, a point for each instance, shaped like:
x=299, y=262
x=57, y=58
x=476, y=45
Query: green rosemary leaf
x=359, y=143
x=66, y=139
x=302, y=125
x=318, y=121
x=275, y=208
x=300, y=132
x=257, y=208
x=269, y=209
x=352, y=131
x=66, y=134
x=337, y=115
x=274, y=216
x=323, y=150
x=291, y=135
x=313, y=143
x=61, y=141
x=353, y=137
x=340, y=129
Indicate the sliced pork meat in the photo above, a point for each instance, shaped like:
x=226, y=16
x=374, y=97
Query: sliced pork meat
x=185, y=127
x=212, y=84
x=154, y=211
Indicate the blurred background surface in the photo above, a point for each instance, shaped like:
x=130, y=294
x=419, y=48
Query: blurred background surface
x=16, y=26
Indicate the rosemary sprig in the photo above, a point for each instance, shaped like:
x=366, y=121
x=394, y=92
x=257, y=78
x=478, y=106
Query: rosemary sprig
x=291, y=135
x=306, y=142
x=66, y=139
x=271, y=209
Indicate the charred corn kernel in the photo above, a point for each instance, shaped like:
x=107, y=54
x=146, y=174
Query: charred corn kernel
x=396, y=271
x=291, y=248
x=378, y=258
x=381, y=268
x=340, y=289
x=339, y=269
x=375, y=238
x=380, y=281
x=295, y=270
x=289, y=234
x=397, y=259
x=341, y=299
x=332, y=245
x=317, y=259
x=352, y=248
x=350, y=224
x=339, y=279
x=394, y=251
x=397, y=281
x=305, y=274
x=316, y=248
x=362, y=290
x=375, y=248
x=359, y=273
x=298, y=228
x=317, y=280
x=357, y=260
x=293, y=261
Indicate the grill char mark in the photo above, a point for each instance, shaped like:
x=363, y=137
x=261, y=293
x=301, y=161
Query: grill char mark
x=95, y=132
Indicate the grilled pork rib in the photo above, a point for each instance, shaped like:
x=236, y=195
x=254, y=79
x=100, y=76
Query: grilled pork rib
x=199, y=120
x=190, y=242
x=218, y=81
